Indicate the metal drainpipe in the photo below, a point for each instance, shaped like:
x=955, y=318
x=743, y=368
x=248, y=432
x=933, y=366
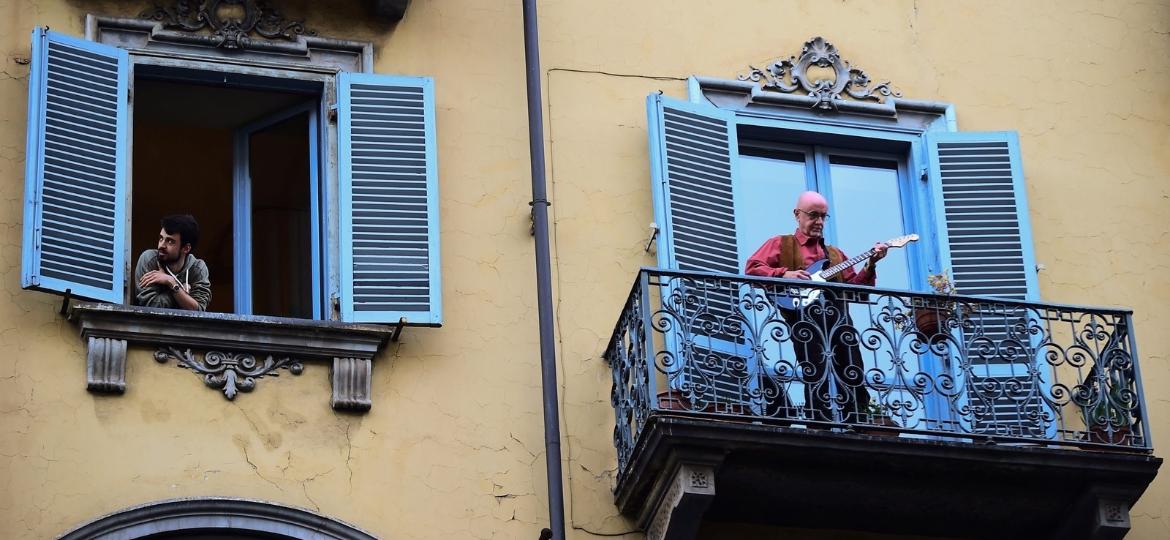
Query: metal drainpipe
x=548, y=359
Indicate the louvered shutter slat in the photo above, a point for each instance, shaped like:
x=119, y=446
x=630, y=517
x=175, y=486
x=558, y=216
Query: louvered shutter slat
x=389, y=185
x=75, y=187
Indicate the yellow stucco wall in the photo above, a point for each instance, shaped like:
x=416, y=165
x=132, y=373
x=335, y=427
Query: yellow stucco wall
x=453, y=447
x=1082, y=82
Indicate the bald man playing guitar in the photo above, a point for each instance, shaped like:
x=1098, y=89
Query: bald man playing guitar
x=791, y=256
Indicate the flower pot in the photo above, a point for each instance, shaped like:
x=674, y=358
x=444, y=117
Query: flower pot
x=1119, y=436
x=674, y=400
x=931, y=321
x=879, y=421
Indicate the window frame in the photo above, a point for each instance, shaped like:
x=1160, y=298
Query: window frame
x=854, y=134
x=817, y=159
x=401, y=159
x=286, y=78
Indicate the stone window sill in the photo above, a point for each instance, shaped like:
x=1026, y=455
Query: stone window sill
x=230, y=351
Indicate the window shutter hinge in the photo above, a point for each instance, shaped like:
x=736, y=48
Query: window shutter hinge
x=333, y=113
x=924, y=175
x=129, y=95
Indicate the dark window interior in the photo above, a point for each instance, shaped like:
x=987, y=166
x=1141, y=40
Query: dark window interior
x=183, y=162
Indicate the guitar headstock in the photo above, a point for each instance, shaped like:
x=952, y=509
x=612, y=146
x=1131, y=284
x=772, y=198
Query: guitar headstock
x=902, y=240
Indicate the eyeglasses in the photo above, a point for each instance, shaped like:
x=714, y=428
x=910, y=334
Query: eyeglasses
x=815, y=215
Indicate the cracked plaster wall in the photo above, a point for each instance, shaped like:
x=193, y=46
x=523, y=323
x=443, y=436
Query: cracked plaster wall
x=453, y=447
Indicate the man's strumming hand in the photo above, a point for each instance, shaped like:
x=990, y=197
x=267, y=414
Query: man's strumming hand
x=797, y=274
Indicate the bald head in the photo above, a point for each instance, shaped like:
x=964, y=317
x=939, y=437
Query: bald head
x=811, y=212
x=809, y=199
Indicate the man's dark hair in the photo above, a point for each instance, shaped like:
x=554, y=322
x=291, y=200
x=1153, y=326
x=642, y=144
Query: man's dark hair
x=185, y=226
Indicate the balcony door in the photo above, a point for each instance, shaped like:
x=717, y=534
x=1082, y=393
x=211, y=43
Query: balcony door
x=869, y=201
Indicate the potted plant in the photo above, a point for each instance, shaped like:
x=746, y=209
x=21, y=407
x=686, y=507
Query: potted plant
x=932, y=320
x=1108, y=420
x=878, y=415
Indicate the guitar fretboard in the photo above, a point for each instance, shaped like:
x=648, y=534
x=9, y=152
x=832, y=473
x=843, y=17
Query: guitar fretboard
x=832, y=271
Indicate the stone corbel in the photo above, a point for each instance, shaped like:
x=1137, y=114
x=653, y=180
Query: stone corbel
x=679, y=511
x=105, y=365
x=1101, y=513
x=238, y=350
x=351, y=383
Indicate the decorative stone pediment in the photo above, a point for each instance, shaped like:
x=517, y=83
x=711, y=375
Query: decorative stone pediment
x=792, y=76
x=236, y=31
x=231, y=24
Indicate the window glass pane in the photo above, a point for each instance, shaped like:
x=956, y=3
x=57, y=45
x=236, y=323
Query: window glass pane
x=867, y=208
x=279, y=169
x=765, y=196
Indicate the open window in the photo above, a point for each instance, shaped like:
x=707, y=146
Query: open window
x=115, y=142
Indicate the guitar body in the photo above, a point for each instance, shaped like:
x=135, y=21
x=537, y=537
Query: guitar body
x=804, y=297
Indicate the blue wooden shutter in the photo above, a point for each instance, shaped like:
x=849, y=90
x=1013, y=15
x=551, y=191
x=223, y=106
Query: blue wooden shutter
x=75, y=177
x=389, y=199
x=692, y=149
x=979, y=186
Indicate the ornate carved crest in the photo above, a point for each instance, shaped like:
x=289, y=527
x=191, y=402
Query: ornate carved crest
x=790, y=75
x=231, y=23
x=232, y=372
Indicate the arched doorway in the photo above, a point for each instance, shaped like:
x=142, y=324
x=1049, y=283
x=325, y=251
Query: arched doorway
x=215, y=519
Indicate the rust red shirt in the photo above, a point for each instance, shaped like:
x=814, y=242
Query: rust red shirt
x=766, y=260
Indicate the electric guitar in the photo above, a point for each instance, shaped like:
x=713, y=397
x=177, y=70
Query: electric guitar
x=818, y=272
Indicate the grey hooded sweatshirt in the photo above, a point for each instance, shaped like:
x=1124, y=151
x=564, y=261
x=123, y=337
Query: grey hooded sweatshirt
x=194, y=275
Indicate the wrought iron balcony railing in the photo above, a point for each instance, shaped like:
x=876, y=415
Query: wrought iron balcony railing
x=864, y=359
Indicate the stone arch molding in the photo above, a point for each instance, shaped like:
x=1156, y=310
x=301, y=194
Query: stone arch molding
x=246, y=518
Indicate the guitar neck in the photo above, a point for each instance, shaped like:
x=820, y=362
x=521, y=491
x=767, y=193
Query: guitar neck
x=832, y=271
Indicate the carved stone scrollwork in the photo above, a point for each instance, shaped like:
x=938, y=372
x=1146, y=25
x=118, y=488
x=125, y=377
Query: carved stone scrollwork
x=848, y=80
x=230, y=22
x=105, y=365
x=231, y=372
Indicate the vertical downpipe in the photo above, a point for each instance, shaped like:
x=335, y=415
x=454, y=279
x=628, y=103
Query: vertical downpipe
x=548, y=360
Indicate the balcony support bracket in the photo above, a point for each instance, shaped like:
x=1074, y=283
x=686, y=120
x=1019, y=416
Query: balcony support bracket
x=683, y=500
x=105, y=365
x=1102, y=513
